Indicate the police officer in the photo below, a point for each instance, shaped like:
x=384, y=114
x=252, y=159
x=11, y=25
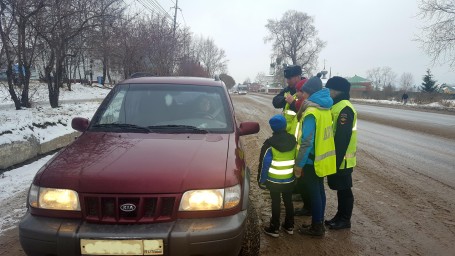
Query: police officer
x=286, y=98
x=344, y=124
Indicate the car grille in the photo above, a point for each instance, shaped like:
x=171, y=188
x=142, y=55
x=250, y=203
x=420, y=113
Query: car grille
x=128, y=209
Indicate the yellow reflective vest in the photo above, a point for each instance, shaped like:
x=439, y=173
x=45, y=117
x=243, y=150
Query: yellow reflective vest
x=281, y=170
x=349, y=160
x=324, y=145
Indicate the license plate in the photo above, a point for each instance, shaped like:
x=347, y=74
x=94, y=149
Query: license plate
x=122, y=247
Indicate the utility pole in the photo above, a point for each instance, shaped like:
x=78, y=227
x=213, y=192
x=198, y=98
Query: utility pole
x=175, y=15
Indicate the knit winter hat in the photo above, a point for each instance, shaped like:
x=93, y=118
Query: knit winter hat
x=313, y=85
x=338, y=83
x=299, y=85
x=277, y=123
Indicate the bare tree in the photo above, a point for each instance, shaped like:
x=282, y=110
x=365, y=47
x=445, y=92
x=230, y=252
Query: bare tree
x=212, y=58
x=382, y=77
x=388, y=77
x=438, y=38
x=19, y=42
x=374, y=75
x=58, y=28
x=294, y=38
x=111, y=11
x=129, y=51
x=161, y=46
x=191, y=68
x=406, y=81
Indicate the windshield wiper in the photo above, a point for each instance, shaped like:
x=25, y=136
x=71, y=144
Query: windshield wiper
x=177, y=128
x=129, y=127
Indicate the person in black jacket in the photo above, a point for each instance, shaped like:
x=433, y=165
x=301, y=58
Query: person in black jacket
x=275, y=173
x=345, y=135
x=286, y=95
x=404, y=98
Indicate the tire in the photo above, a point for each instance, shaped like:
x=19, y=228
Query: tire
x=251, y=237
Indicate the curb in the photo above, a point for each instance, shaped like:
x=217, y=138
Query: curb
x=20, y=151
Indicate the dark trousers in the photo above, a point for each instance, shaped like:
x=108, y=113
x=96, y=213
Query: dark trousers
x=276, y=208
x=304, y=193
x=315, y=186
x=345, y=203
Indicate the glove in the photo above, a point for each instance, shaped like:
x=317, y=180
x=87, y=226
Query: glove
x=262, y=186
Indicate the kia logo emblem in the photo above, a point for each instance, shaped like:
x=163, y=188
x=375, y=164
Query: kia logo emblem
x=127, y=207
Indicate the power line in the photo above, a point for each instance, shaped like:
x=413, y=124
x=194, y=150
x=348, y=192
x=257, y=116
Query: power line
x=154, y=9
x=146, y=6
x=162, y=10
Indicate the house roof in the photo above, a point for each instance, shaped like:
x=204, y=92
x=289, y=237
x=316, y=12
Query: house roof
x=449, y=88
x=357, y=80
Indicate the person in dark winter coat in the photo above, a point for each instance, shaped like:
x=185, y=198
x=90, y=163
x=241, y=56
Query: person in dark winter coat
x=286, y=96
x=275, y=173
x=344, y=119
x=404, y=98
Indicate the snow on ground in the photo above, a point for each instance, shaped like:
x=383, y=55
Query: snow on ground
x=39, y=93
x=437, y=105
x=42, y=121
x=14, y=182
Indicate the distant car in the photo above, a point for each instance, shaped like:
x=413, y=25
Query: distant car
x=242, y=90
x=155, y=172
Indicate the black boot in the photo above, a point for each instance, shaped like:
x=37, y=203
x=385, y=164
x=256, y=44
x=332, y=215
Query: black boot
x=333, y=220
x=341, y=223
x=316, y=229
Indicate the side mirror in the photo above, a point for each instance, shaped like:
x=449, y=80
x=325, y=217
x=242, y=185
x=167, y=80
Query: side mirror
x=79, y=124
x=247, y=128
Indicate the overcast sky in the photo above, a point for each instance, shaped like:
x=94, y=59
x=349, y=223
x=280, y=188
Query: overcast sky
x=360, y=34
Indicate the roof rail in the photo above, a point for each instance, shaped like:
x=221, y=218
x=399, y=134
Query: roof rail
x=217, y=78
x=140, y=74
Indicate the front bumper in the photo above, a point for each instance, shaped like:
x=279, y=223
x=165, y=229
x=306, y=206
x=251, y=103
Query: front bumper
x=210, y=236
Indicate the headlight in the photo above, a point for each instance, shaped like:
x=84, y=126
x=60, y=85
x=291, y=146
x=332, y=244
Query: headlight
x=53, y=199
x=210, y=199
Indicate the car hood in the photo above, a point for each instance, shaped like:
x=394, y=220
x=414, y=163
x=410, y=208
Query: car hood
x=139, y=163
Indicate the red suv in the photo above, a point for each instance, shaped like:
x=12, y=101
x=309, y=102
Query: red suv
x=159, y=170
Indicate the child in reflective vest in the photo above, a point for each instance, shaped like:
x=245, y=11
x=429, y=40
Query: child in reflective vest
x=276, y=174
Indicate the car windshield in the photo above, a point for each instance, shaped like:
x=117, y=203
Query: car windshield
x=164, y=108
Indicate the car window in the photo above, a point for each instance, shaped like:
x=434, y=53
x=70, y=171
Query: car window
x=167, y=106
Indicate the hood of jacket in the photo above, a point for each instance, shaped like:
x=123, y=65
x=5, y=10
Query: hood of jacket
x=322, y=99
x=282, y=141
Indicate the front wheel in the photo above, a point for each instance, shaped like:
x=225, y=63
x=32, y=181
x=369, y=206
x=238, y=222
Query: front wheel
x=251, y=238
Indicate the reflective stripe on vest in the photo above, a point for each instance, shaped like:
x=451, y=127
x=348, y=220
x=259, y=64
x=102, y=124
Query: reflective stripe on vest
x=350, y=159
x=281, y=169
x=324, y=145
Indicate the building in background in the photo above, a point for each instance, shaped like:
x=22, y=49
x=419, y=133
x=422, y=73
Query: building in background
x=359, y=84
